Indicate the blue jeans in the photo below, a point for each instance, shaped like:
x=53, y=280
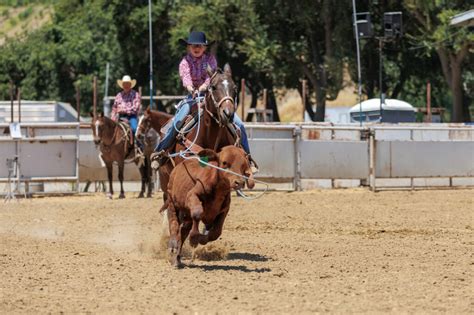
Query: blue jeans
x=132, y=121
x=183, y=110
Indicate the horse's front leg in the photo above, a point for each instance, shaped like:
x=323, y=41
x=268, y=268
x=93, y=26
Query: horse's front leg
x=149, y=176
x=143, y=176
x=108, y=165
x=121, y=166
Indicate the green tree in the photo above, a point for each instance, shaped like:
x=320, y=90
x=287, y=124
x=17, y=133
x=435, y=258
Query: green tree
x=451, y=44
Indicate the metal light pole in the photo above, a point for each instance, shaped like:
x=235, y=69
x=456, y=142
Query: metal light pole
x=106, y=92
x=151, y=55
x=359, y=89
x=382, y=96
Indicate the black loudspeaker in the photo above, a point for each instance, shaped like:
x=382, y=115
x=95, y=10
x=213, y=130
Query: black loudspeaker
x=392, y=24
x=364, y=25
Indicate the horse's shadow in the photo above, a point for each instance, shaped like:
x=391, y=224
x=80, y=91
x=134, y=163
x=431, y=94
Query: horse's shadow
x=247, y=256
x=227, y=268
x=236, y=256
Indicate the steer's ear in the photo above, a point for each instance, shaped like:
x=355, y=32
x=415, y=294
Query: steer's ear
x=210, y=154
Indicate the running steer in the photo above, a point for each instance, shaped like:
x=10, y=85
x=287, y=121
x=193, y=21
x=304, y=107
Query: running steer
x=199, y=192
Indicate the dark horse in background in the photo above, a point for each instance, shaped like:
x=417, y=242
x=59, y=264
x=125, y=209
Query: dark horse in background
x=116, y=145
x=214, y=130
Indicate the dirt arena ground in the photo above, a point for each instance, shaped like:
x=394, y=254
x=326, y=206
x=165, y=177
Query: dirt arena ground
x=343, y=251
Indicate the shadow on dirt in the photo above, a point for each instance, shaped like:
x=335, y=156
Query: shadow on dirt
x=227, y=268
x=247, y=256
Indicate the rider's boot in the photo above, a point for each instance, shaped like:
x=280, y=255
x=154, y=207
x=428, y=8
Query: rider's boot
x=253, y=164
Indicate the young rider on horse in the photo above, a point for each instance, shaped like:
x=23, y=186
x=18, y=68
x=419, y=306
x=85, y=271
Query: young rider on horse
x=127, y=104
x=196, y=80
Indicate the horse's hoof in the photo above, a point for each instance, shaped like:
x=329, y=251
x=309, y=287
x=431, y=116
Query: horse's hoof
x=149, y=195
x=109, y=196
x=173, y=245
x=122, y=196
x=141, y=195
x=176, y=262
x=194, y=240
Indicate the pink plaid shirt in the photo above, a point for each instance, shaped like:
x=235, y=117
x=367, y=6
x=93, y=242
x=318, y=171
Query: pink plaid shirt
x=193, y=70
x=126, y=103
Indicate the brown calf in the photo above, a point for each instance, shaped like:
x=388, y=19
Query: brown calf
x=198, y=192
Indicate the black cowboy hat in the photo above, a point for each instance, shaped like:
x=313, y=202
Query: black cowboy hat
x=196, y=38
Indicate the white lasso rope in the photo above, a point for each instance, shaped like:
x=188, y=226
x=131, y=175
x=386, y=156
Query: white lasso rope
x=182, y=154
x=239, y=191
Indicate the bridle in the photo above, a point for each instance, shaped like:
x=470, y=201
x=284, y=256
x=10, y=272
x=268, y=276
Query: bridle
x=100, y=141
x=144, y=125
x=218, y=104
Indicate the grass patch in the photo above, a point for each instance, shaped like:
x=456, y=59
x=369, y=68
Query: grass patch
x=25, y=13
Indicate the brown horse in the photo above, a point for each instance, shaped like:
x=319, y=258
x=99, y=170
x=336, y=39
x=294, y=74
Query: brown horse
x=115, y=145
x=212, y=132
x=150, y=141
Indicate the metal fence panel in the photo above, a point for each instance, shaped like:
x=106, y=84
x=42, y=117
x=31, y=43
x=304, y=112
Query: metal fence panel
x=48, y=159
x=261, y=132
x=90, y=168
x=275, y=157
x=396, y=159
x=334, y=159
x=7, y=151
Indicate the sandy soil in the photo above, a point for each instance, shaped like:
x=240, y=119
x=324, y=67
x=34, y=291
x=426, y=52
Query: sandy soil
x=318, y=251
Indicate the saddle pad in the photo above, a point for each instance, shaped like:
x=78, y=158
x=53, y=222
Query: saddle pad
x=167, y=126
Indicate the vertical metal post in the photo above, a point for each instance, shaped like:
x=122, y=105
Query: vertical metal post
x=94, y=97
x=382, y=96
x=19, y=104
x=356, y=30
x=303, y=92
x=428, y=102
x=106, y=92
x=265, y=105
x=242, y=98
x=372, y=159
x=151, y=54
x=297, y=139
x=11, y=100
x=78, y=103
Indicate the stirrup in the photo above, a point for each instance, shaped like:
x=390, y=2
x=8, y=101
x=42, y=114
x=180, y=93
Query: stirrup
x=253, y=164
x=157, y=159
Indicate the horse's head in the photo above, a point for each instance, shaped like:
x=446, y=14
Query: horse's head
x=144, y=124
x=97, y=125
x=222, y=93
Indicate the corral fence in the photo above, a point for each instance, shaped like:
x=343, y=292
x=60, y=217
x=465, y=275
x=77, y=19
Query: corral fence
x=379, y=156
x=40, y=153
x=290, y=156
